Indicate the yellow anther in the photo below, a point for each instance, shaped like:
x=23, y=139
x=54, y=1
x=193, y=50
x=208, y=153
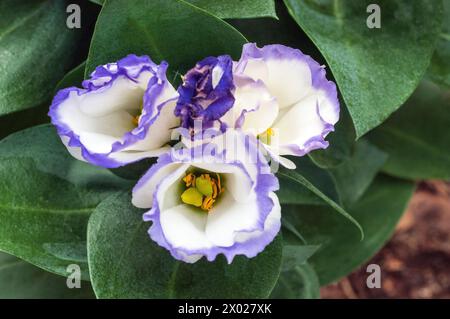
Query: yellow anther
x=270, y=132
x=189, y=179
x=193, y=197
x=135, y=120
x=207, y=203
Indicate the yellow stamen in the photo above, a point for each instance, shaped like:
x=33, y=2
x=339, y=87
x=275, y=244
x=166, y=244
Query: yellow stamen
x=136, y=119
x=207, y=203
x=201, y=191
x=189, y=179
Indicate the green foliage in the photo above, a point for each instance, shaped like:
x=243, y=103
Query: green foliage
x=46, y=197
x=162, y=29
x=417, y=137
x=20, y=280
x=126, y=263
x=341, y=251
x=36, y=49
x=376, y=69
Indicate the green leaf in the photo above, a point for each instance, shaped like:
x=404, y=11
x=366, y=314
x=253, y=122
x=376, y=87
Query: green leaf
x=378, y=212
x=36, y=49
x=23, y=119
x=21, y=280
x=162, y=29
x=73, y=78
x=46, y=197
x=296, y=177
x=293, y=192
x=126, y=263
x=375, y=69
x=417, y=137
x=354, y=176
x=439, y=70
x=298, y=283
x=297, y=255
x=237, y=9
x=232, y=8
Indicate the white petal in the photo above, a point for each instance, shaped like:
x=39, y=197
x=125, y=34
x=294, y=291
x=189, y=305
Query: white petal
x=288, y=80
x=159, y=133
x=228, y=217
x=260, y=106
x=237, y=182
x=300, y=123
x=123, y=94
x=144, y=190
x=184, y=227
x=272, y=220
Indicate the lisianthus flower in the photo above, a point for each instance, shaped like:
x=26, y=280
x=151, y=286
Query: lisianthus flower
x=278, y=94
x=123, y=113
x=205, y=203
x=307, y=103
x=206, y=93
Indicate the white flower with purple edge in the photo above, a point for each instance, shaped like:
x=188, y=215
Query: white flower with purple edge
x=280, y=95
x=242, y=219
x=123, y=113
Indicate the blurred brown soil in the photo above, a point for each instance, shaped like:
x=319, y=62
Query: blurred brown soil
x=415, y=263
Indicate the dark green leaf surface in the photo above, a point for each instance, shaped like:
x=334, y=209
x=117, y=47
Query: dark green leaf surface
x=378, y=212
x=126, y=263
x=21, y=280
x=300, y=282
x=237, y=8
x=46, y=197
x=439, y=70
x=354, y=176
x=292, y=192
x=298, y=178
x=417, y=137
x=297, y=255
x=73, y=78
x=36, y=48
x=375, y=69
x=162, y=29
x=233, y=8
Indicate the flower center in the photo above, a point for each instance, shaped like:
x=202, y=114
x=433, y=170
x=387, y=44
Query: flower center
x=202, y=190
x=266, y=137
x=137, y=117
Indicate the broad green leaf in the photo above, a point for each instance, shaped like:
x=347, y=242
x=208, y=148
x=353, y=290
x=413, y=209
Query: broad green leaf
x=233, y=8
x=378, y=212
x=46, y=197
x=23, y=119
x=354, y=176
x=73, y=78
x=298, y=178
x=126, y=263
x=439, y=70
x=237, y=8
x=300, y=282
x=375, y=69
x=417, y=137
x=293, y=192
x=21, y=280
x=36, y=48
x=170, y=30
x=297, y=255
